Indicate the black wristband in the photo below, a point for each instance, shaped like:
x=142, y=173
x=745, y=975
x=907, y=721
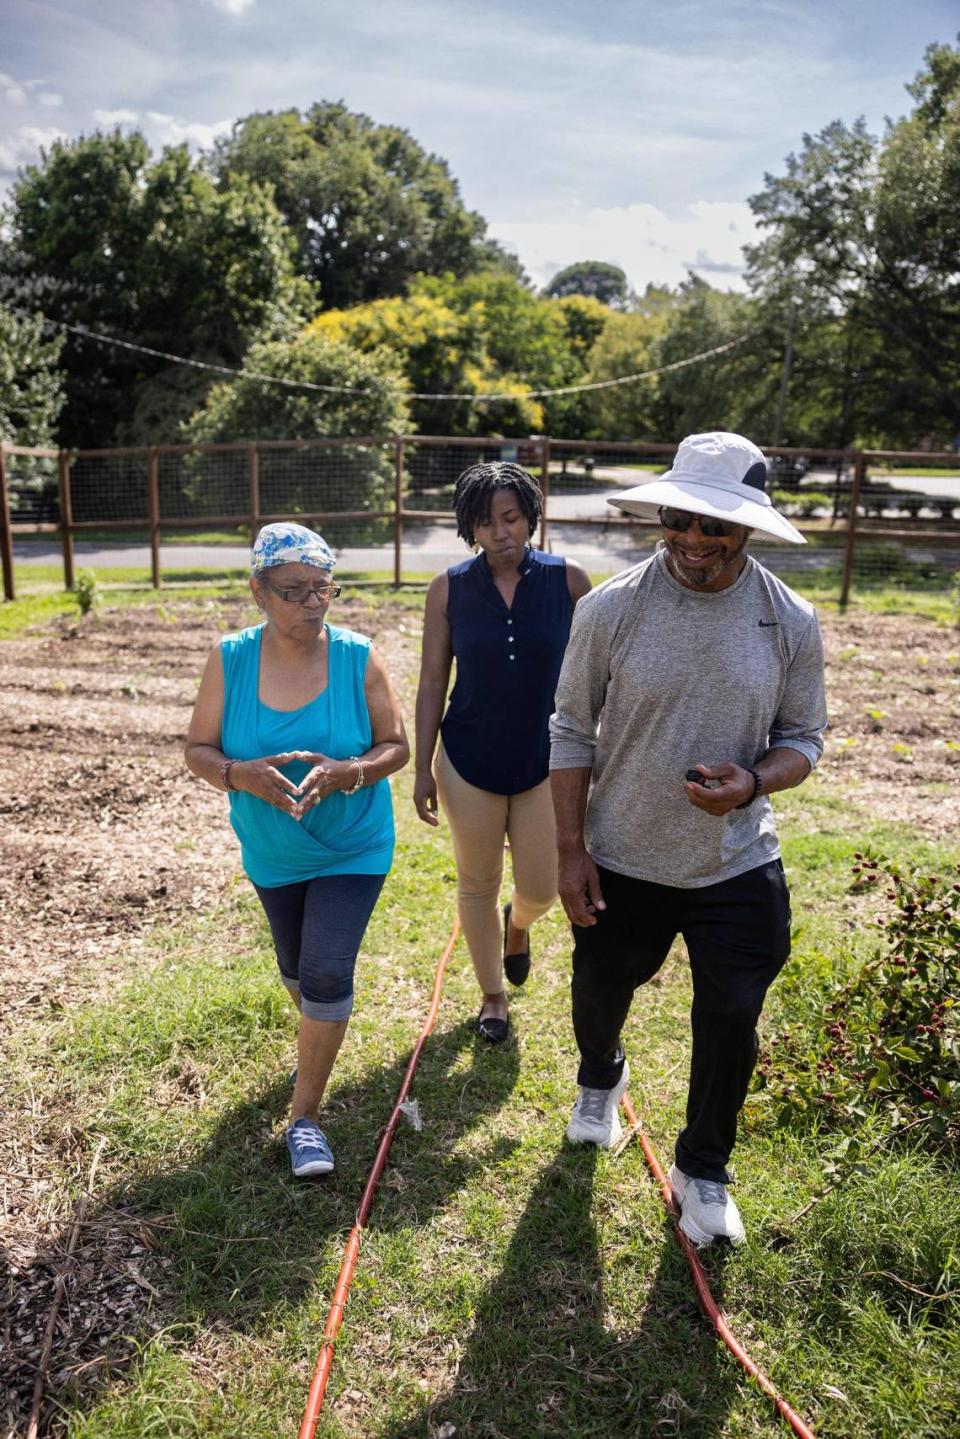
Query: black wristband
x=757, y=787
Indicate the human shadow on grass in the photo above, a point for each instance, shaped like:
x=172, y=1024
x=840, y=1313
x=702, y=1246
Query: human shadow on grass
x=543, y=1358
x=230, y=1241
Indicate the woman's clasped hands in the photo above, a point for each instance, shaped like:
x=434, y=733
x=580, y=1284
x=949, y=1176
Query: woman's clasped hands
x=263, y=778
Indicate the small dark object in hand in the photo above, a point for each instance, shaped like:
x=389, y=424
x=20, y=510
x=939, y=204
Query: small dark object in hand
x=695, y=777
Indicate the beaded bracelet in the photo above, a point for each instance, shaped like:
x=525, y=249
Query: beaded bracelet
x=359, y=784
x=757, y=788
x=225, y=769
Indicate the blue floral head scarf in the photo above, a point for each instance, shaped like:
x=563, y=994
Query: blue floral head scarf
x=285, y=544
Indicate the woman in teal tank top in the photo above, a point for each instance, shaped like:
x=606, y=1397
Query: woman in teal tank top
x=297, y=721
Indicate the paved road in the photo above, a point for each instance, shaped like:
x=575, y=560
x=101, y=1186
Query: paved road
x=426, y=550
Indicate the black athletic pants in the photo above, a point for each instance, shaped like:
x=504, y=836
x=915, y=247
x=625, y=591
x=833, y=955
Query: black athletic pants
x=737, y=935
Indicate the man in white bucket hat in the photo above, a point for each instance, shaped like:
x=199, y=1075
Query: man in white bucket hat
x=692, y=688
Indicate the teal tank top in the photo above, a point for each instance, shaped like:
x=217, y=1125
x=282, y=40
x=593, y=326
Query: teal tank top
x=345, y=833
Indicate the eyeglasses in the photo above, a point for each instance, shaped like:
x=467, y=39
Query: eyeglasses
x=299, y=594
x=681, y=520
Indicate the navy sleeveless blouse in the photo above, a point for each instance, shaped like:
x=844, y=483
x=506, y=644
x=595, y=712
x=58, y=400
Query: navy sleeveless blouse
x=495, y=730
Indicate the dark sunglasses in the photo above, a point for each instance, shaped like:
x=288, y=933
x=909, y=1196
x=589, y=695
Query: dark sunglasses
x=299, y=594
x=682, y=520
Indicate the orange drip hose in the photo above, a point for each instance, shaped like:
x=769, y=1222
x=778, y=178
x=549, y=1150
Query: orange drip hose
x=318, y=1386
x=708, y=1304
x=321, y=1374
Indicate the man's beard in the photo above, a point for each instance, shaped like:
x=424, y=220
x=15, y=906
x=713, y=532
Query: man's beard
x=703, y=577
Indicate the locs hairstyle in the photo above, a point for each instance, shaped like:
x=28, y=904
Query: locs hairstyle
x=477, y=486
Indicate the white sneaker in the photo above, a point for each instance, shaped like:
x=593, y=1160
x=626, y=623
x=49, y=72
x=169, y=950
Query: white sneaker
x=594, y=1119
x=708, y=1212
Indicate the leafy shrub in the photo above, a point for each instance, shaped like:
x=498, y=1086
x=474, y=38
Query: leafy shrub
x=889, y=1039
x=332, y=391
x=85, y=591
x=803, y=502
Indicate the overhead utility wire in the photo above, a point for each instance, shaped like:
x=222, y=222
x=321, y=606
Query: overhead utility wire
x=354, y=390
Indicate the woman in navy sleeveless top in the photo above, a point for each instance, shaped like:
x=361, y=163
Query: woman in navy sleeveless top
x=504, y=616
x=295, y=718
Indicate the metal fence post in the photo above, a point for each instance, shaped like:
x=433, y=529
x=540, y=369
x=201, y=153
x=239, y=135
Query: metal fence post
x=544, y=487
x=153, y=486
x=254, y=494
x=398, y=514
x=66, y=517
x=6, y=534
x=859, y=469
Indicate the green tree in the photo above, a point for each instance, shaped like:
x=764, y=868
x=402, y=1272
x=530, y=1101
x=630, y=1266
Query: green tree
x=366, y=397
x=532, y=344
x=368, y=207
x=485, y=333
x=732, y=391
x=629, y=345
x=861, y=237
x=573, y=417
x=439, y=349
x=595, y=279
x=31, y=398
x=31, y=383
x=102, y=236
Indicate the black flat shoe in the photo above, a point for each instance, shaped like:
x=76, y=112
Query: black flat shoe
x=494, y=1031
x=515, y=966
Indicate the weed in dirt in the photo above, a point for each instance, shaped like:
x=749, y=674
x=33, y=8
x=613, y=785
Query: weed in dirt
x=85, y=591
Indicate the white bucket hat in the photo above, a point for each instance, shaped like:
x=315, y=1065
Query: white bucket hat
x=718, y=474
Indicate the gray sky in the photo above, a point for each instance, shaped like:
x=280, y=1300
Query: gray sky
x=623, y=131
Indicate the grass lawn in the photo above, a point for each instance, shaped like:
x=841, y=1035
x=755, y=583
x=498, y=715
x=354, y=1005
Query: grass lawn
x=40, y=598
x=509, y=1284
x=946, y=472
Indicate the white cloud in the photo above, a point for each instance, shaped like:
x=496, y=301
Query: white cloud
x=233, y=7
x=27, y=92
x=23, y=146
x=14, y=92
x=163, y=129
x=115, y=117
x=650, y=245
x=169, y=130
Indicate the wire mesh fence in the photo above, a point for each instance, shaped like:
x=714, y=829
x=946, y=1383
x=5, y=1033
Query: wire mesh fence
x=32, y=483
x=870, y=518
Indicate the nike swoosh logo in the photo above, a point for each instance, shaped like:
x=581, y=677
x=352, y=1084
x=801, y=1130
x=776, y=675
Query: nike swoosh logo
x=769, y=624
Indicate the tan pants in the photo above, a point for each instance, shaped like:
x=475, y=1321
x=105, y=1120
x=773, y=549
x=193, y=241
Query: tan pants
x=479, y=822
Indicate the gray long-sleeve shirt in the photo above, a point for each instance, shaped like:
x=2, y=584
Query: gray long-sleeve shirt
x=657, y=678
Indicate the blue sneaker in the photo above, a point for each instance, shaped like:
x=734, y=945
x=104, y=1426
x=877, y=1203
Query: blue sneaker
x=309, y=1151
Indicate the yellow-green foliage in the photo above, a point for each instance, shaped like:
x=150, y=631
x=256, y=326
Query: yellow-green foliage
x=584, y=320
x=439, y=348
x=628, y=345
x=482, y=334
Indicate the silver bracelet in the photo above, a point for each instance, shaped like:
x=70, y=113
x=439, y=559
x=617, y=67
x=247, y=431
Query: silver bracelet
x=359, y=784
